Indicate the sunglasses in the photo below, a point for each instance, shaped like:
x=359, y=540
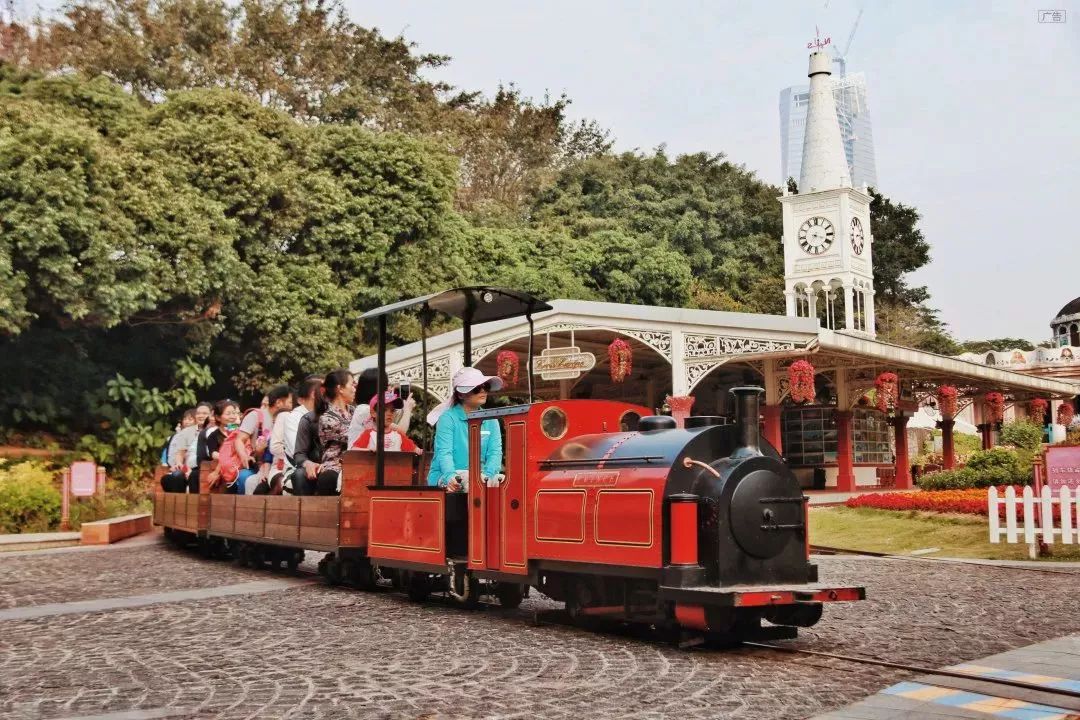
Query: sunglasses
x=480, y=389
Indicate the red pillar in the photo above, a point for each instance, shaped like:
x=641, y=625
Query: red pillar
x=771, y=415
x=948, y=452
x=845, y=456
x=987, y=431
x=903, y=465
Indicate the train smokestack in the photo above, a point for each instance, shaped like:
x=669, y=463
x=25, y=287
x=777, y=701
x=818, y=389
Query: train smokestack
x=747, y=401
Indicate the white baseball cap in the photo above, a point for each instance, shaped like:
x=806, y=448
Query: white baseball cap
x=465, y=380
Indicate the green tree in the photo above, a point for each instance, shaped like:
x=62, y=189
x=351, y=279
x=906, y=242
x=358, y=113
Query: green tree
x=722, y=221
x=899, y=249
x=983, y=346
x=88, y=231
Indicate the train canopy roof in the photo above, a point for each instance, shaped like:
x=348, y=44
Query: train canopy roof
x=475, y=304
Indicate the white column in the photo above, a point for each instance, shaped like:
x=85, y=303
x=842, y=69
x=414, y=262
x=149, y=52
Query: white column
x=869, y=312
x=789, y=299
x=849, y=309
x=811, y=302
x=678, y=364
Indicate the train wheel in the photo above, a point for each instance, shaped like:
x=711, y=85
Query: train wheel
x=361, y=575
x=510, y=594
x=418, y=586
x=333, y=570
x=578, y=597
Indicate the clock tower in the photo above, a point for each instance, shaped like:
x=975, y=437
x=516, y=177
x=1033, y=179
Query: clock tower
x=828, y=268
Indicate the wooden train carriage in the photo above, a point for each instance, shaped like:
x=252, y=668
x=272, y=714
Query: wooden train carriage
x=320, y=523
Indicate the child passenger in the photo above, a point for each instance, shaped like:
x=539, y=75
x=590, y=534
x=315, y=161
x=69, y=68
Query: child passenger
x=394, y=439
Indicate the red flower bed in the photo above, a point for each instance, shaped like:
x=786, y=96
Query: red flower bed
x=968, y=502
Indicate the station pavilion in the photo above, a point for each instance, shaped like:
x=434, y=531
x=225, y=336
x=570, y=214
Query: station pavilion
x=693, y=357
x=688, y=359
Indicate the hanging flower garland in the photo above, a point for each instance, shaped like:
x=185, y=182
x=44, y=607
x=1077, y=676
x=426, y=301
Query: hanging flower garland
x=507, y=366
x=946, y=397
x=621, y=358
x=886, y=386
x=1037, y=410
x=801, y=381
x=995, y=407
x=1065, y=413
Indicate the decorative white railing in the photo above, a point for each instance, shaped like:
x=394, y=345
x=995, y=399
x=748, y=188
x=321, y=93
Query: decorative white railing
x=1037, y=515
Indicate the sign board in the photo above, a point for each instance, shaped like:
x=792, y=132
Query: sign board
x=565, y=363
x=83, y=478
x=1063, y=468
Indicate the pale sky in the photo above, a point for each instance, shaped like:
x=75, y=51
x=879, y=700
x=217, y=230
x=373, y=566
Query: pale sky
x=974, y=105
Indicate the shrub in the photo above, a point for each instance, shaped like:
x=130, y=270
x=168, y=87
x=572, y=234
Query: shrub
x=968, y=477
x=1014, y=466
x=1023, y=435
x=948, y=480
x=29, y=498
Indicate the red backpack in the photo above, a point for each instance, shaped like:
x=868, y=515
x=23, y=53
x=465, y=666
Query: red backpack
x=229, y=462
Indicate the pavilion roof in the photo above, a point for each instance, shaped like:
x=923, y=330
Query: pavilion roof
x=754, y=337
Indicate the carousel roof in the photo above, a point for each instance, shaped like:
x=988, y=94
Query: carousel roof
x=1071, y=308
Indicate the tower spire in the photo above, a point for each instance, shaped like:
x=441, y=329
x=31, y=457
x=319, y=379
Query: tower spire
x=824, y=165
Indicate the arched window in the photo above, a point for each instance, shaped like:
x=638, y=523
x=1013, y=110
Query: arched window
x=1074, y=335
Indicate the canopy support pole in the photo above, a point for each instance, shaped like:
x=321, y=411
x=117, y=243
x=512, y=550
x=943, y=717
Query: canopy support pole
x=529, y=367
x=423, y=374
x=380, y=407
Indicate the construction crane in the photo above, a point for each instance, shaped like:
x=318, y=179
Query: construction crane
x=841, y=55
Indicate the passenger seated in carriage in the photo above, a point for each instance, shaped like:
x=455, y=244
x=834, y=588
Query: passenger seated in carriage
x=394, y=439
x=450, y=464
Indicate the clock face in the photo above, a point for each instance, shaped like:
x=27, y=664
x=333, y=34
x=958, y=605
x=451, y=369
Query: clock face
x=816, y=235
x=857, y=239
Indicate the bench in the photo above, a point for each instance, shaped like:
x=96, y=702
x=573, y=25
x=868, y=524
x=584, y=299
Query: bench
x=105, y=532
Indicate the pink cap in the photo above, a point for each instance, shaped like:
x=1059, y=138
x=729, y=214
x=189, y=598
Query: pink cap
x=390, y=398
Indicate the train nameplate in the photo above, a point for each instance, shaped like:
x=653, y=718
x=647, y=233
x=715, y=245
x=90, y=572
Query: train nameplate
x=596, y=479
x=565, y=363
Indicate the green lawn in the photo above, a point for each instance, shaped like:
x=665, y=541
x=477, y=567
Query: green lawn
x=900, y=533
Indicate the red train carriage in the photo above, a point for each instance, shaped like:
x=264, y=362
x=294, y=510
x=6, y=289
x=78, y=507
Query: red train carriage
x=617, y=513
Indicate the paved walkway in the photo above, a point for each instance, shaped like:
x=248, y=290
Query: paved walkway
x=145, y=631
x=1049, y=670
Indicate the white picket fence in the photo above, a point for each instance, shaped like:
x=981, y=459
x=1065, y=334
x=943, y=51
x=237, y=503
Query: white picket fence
x=1034, y=510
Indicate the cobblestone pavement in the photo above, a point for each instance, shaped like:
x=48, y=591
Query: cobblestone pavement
x=313, y=651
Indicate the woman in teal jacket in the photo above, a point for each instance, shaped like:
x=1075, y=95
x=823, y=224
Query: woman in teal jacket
x=450, y=464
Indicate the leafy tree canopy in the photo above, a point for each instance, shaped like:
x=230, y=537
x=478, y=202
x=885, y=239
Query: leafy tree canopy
x=234, y=183
x=982, y=346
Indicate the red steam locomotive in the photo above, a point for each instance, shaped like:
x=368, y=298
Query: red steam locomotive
x=617, y=513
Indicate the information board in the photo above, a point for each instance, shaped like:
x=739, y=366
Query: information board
x=1063, y=468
